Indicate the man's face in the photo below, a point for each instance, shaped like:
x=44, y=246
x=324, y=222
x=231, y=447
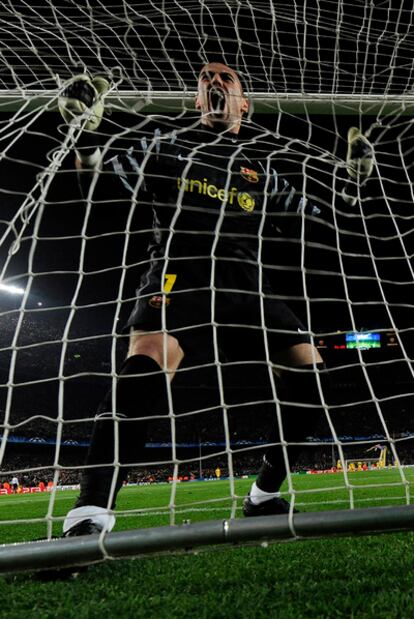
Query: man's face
x=220, y=97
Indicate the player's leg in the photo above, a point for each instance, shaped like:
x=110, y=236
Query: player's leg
x=289, y=346
x=152, y=360
x=299, y=419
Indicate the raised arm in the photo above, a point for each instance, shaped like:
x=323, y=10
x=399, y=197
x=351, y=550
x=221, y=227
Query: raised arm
x=83, y=100
x=359, y=163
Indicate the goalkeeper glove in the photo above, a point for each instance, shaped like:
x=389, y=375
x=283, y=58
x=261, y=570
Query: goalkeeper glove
x=83, y=94
x=360, y=155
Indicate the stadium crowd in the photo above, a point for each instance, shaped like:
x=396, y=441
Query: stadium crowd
x=33, y=469
x=35, y=419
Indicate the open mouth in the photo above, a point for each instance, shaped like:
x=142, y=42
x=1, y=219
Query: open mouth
x=217, y=99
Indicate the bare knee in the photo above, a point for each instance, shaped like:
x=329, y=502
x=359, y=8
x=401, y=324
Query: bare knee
x=163, y=348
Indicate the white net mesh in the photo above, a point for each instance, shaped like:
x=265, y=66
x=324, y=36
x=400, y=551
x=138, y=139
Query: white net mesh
x=69, y=267
x=331, y=50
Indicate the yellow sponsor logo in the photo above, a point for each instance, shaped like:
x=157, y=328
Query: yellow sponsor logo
x=192, y=185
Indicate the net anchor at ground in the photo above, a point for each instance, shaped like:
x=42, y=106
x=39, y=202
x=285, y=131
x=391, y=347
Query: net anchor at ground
x=68, y=552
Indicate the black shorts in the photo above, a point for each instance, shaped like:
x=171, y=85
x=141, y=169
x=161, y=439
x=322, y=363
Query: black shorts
x=192, y=302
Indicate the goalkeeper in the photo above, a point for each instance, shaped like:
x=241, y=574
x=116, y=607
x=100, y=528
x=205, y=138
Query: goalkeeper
x=213, y=196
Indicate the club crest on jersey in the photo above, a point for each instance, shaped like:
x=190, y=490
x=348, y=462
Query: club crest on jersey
x=157, y=300
x=246, y=202
x=249, y=175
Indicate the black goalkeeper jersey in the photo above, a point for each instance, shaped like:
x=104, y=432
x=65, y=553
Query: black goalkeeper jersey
x=210, y=193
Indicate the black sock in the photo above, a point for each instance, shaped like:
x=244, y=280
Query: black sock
x=298, y=421
x=138, y=393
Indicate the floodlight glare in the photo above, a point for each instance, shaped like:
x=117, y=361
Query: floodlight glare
x=11, y=289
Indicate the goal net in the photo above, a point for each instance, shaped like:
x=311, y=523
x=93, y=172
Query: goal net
x=70, y=264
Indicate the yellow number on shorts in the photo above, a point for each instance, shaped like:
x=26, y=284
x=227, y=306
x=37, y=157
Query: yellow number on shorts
x=169, y=282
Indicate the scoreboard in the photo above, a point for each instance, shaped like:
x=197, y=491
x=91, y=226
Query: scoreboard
x=358, y=340
x=363, y=341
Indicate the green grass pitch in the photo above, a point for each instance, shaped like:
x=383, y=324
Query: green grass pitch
x=355, y=577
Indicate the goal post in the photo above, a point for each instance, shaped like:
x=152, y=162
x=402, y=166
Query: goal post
x=189, y=538
x=69, y=268
x=378, y=461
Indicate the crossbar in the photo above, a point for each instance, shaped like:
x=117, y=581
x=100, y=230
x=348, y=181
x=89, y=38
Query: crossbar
x=262, y=103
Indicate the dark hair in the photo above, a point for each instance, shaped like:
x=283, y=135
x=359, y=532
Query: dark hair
x=223, y=61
